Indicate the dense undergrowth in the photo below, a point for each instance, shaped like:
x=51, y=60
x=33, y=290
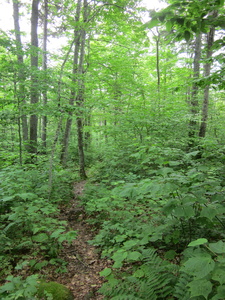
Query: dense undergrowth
x=160, y=213
x=31, y=234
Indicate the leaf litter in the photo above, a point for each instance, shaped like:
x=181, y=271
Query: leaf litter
x=83, y=260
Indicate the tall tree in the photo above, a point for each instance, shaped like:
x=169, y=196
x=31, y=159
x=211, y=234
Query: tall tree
x=44, y=68
x=34, y=95
x=76, y=41
x=80, y=95
x=194, y=103
x=21, y=94
x=207, y=68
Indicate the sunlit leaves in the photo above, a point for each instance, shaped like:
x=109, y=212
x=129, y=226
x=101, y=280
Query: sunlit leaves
x=198, y=242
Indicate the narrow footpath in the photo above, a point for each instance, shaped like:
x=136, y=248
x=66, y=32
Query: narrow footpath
x=84, y=262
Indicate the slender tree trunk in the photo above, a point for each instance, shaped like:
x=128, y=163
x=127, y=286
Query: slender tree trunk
x=18, y=120
x=59, y=126
x=21, y=73
x=64, y=151
x=207, y=69
x=34, y=76
x=157, y=64
x=44, y=68
x=87, y=135
x=194, y=93
x=80, y=96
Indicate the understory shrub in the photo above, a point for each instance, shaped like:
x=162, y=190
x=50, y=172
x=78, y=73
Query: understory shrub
x=32, y=288
x=164, y=232
x=30, y=232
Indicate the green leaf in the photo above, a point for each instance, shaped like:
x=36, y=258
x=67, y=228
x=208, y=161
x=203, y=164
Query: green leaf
x=119, y=255
x=152, y=23
x=208, y=212
x=40, y=265
x=199, y=266
x=219, y=275
x=218, y=247
x=9, y=286
x=56, y=233
x=189, y=211
x=135, y=255
x=117, y=264
x=120, y=238
x=106, y=272
x=139, y=273
x=130, y=244
x=170, y=254
x=179, y=212
x=202, y=287
x=220, y=293
x=25, y=196
x=187, y=35
x=8, y=198
x=169, y=25
x=198, y=242
x=41, y=237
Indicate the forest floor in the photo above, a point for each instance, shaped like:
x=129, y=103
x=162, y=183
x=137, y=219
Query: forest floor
x=83, y=261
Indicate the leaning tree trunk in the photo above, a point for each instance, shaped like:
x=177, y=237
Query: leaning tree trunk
x=207, y=69
x=34, y=76
x=21, y=94
x=44, y=68
x=194, y=93
x=65, y=145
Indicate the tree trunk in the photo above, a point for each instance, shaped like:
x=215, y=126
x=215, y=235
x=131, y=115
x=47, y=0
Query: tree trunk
x=80, y=96
x=44, y=68
x=157, y=38
x=87, y=134
x=207, y=69
x=21, y=73
x=34, y=76
x=194, y=93
x=64, y=151
x=59, y=126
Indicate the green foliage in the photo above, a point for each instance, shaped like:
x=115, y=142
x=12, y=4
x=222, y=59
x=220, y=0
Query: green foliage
x=180, y=202
x=19, y=289
x=188, y=18
x=32, y=288
x=202, y=271
x=29, y=224
x=153, y=280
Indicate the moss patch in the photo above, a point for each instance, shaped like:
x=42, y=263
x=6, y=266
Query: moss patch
x=54, y=289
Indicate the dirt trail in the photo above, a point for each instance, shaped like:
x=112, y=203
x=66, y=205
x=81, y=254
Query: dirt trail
x=84, y=263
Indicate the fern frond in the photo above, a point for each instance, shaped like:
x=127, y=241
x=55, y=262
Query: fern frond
x=181, y=291
x=158, y=278
x=155, y=282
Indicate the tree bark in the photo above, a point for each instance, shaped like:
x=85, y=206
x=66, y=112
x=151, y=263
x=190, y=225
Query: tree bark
x=157, y=38
x=34, y=94
x=194, y=109
x=21, y=71
x=207, y=69
x=44, y=68
x=80, y=96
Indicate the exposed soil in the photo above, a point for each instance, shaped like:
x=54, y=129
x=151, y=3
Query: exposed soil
x=84, y=262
